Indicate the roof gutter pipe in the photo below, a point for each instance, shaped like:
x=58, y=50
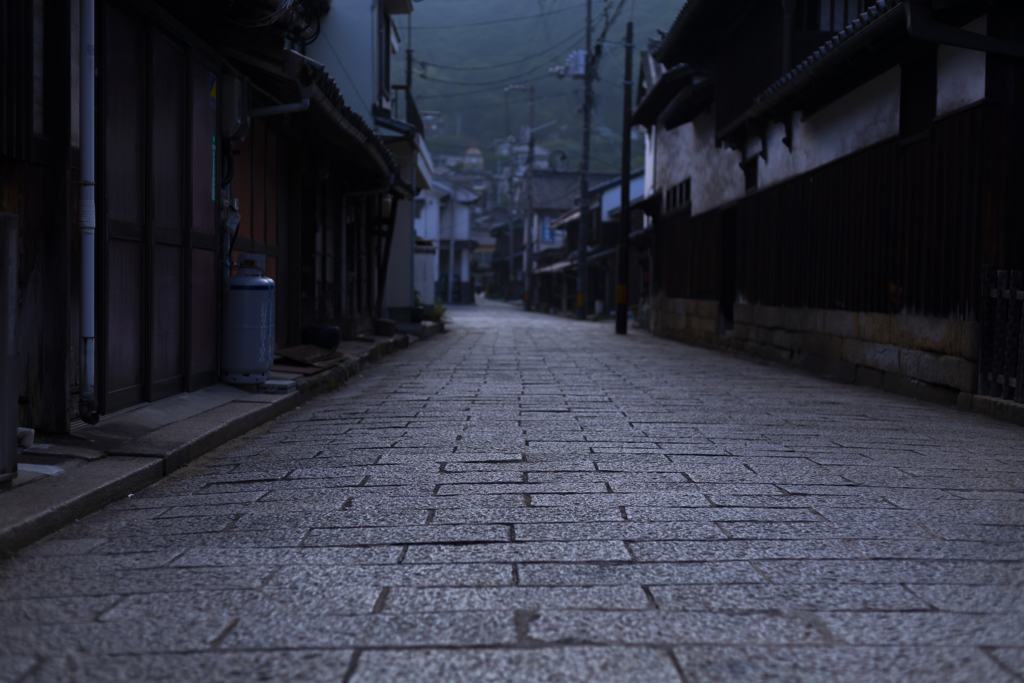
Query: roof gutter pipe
x=87, y=409
x=276, y=110
x=923, y=26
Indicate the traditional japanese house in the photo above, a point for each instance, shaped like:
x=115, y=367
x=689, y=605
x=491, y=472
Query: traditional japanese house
x=206, y=113
x=829, y=180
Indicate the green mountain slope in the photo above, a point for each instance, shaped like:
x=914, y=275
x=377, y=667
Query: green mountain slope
x=466, y=51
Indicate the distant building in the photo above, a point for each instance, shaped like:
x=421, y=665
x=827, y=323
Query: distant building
x=444, y=215
x=473, y=158
x=433, y=123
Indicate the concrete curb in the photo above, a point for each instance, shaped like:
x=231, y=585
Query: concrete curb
x=35, y=510
x=996, y=408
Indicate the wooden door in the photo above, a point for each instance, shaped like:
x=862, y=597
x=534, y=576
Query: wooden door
x=159, y=188
x=124, y=190
x=166, y=173
x=205, y=190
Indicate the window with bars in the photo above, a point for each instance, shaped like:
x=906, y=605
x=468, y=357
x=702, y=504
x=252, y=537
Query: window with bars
x=677, y=197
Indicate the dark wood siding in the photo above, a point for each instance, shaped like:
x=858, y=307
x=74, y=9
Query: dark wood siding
x=748, y=60
x=890, y=229
x=124, y=191
x=690, y=254
x=168, y=188
x=203, y=275
x=158, y=209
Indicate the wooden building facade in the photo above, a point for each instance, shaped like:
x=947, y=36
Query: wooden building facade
x=837, y=203
x=315, y=191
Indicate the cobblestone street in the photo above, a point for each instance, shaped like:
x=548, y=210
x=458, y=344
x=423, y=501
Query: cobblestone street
x=529, y=498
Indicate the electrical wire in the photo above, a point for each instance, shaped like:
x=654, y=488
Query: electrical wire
x=341, y=63
x=502, y=21
x=473, y=92
x=498, y=66
x=505, y=81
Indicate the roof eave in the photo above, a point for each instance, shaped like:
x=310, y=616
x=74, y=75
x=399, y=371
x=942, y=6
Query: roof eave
x=796, y=90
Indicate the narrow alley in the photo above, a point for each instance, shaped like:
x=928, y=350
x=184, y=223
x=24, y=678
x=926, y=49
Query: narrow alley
x=533, y=498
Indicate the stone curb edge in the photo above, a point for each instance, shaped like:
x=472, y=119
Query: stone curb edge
x=50, y=505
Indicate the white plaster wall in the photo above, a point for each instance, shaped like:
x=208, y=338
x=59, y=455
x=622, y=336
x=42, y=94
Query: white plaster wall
x=612, y=197
x=689, y=151
x=463, y=215
x=425, y=266
x=650, y=139
x=348, y=33
x=428, y=224
x=859, y=119
x=398, y=287
x=961, y=73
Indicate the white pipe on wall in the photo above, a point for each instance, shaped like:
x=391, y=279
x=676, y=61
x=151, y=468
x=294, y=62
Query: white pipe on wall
x=87, y=212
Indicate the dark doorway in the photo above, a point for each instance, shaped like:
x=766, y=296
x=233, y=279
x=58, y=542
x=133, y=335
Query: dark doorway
x=727, y=271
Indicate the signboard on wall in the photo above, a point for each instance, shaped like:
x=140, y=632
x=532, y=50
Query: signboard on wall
x=546, y=233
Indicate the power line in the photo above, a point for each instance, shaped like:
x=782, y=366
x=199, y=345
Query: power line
x=499, y=86
x=498, y=66
x=502, y=21
x=500, y=103
x=341, y=63
x=505, y=80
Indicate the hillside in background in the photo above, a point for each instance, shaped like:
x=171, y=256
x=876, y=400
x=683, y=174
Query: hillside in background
x=467, y=51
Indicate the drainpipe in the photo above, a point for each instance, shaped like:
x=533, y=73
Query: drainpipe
x=87, y=212
x=277, y=110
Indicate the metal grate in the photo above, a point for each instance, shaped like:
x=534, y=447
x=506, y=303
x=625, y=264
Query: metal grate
x=1001, y=362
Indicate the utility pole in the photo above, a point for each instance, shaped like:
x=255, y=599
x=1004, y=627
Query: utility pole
x=412, y=166
x=588, y=96
x=511, y=246
x=624, y=214
x=451, y=242
x=528, y=220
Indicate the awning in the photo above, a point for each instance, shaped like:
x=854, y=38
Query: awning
x=601, y=254
x=691, y=101
x=662, y=93
x=565, y=219
x=565, y=265
x=555, y=267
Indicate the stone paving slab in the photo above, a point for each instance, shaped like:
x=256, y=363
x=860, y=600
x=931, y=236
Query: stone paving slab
x=530, y=498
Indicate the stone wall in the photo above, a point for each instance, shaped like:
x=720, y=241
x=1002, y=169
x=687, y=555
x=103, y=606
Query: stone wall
x=933, y=359
x=688, y=320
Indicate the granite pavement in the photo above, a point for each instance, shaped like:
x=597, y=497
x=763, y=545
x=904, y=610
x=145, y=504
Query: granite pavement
x=531, y=498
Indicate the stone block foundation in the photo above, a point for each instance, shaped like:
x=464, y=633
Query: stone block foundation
x=933, y=359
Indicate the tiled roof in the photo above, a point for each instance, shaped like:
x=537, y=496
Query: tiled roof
x=560, y=190
x=554, y=190
x=329, y=87
x=866, y=19
x=661, y=92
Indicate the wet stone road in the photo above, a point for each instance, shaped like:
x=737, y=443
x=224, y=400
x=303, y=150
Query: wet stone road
x=534, y=499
